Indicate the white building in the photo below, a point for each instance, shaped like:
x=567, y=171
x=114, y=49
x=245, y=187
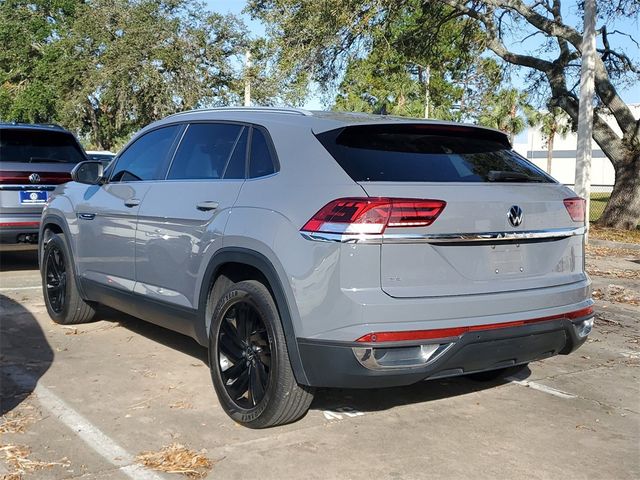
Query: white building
x=564, y=154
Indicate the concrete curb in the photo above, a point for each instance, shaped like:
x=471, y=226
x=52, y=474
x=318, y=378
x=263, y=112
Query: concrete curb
x=610, y=244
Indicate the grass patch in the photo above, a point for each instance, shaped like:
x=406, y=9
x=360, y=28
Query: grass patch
x=598, y=202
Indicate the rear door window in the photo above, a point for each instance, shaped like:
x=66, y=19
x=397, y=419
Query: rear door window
x=427, y=153
x=38, y=146
x=208, y=152
x=145, y=158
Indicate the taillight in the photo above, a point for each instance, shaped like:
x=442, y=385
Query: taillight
x=576, y=208
x=45, y=178
x=373, y=215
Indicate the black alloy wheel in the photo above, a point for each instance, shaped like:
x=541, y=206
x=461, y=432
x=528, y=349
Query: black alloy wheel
x=249, y=360
x=56, y=278
x=244, y=355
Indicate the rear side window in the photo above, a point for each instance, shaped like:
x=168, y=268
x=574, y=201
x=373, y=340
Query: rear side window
x=237, y=163
x=145, y=157
x=261, y=162
x=38, y=146
x=207, y=151
x=427, y=153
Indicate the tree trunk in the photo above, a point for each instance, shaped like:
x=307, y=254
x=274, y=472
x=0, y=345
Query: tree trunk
x=550, y=152
x=95, y=130
x=623, y=208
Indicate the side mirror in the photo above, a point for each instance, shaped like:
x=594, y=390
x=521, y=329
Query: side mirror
x=89, y=172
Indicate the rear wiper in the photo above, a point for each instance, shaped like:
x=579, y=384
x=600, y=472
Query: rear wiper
x=45, y=160
x=504, y=176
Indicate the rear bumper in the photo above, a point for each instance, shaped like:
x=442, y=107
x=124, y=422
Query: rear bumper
x=334, y=364
x=16, y=229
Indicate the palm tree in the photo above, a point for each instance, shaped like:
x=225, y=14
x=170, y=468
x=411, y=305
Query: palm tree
x=552, y=123
x=509, y=111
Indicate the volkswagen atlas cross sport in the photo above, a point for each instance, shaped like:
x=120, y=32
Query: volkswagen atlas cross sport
x=323, y=250
x=33, y=160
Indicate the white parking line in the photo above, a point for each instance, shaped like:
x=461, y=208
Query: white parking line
x=89, y=433
x=540, y=387
x=14, y=289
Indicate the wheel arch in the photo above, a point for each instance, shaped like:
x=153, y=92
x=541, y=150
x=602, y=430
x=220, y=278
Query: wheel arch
x=232, y=264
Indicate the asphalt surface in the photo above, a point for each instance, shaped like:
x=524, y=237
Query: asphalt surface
x=85, y=401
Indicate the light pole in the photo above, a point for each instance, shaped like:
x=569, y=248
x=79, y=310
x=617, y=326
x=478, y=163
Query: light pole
x=247, y=80
x=585, y=112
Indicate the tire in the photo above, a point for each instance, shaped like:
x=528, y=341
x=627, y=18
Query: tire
x=491, y=375
x=61, y=297
x=249, y=362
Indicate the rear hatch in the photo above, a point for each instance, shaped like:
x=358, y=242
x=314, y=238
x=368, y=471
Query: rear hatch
x=33, y=160
x=504, y=227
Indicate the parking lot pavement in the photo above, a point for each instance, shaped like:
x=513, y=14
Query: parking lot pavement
x=87, y=400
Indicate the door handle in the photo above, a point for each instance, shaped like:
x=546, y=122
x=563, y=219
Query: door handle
x=132, y=202
x=86, y=216
x=207, y=206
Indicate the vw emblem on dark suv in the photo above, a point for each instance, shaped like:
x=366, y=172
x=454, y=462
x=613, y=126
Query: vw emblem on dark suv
x=34, y=178
x=515, y=215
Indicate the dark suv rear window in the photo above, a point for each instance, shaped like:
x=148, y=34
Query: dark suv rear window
x=427, y=153
x=38, y=146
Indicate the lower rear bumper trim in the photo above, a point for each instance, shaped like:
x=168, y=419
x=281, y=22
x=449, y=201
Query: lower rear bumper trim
x=333, y=364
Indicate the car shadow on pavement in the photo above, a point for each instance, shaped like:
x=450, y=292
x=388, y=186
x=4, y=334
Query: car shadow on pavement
x=25, y=354
x=164, y=336
x=19, y=260
x=371, y=400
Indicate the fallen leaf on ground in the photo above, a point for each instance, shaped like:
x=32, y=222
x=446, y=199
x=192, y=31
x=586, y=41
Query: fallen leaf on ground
x=17, y=459
x=626, y=274
x=177, y=458
x=19, y=419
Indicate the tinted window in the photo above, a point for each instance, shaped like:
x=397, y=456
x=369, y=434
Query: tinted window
x=205, y=151
x=145, y=157
x=261, y=162
x=237, y=162
x=37, y=146
x=425, y=153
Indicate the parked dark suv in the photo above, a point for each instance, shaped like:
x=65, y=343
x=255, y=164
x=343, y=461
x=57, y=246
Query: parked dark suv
x=33, y=160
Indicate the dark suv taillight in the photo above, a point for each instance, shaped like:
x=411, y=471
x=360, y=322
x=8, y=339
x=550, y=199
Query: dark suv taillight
x=373, y=215
x=45, y=178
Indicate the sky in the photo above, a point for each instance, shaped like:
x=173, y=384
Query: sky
x=570, y=13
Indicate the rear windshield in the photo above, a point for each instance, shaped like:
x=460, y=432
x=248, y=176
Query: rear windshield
x=38, y=146
x=427, y=153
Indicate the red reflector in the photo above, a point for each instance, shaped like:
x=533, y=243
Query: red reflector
x=373, y=215
x=457, y=331
x=19, y=224
x=22, y=178
x=576, y=208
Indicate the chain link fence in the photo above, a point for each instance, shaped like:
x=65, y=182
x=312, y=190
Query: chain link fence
x=599, y=197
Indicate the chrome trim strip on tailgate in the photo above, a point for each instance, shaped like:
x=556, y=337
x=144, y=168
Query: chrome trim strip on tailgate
x=444, y=238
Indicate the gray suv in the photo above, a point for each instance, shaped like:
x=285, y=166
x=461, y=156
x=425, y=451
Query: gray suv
x=320, y=249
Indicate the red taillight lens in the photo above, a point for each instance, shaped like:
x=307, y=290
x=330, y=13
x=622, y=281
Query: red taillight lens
x=22, y=178
x=373, y=215
x=576, y=208
x=457, y=331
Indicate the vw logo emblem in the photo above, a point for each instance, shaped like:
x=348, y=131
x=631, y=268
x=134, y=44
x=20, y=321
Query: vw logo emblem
x=515, y=216
x=34, y=178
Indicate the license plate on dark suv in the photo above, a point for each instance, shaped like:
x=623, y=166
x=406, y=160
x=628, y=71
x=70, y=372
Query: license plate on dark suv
x=33, y=197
